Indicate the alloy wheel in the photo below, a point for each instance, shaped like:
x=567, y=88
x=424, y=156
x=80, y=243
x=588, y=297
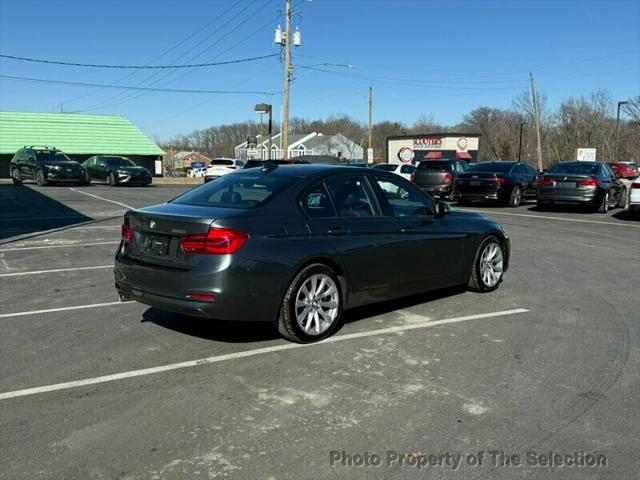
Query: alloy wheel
x=491, y=264
x=317, y=302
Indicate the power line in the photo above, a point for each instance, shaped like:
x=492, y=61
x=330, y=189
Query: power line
x=138, y=67
x=129, y=87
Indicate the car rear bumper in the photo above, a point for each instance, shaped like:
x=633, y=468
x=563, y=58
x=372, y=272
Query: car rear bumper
x=481, y=196
x=436, y=189
x=239, y=294
x=571, y=197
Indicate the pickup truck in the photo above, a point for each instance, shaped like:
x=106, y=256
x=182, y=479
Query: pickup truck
x=437, y=177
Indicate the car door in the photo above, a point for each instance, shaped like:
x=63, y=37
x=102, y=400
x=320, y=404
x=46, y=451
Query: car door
x=614, y=186
x=366, y=241
x=30, y=164
x=432, y=247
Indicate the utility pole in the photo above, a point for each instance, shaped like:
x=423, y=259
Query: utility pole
x=370, y=149
x=522, y=124
x=615, y=146
x=287, y=82
x=536, y=112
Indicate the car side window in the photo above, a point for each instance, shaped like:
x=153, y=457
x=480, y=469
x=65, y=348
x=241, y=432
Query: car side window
x=403, y=200
x=316, y=202
x=607, y=171
x=350, y=196
x=407, y=169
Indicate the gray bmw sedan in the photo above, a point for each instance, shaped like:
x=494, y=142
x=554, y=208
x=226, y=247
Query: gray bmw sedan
x=298, y=244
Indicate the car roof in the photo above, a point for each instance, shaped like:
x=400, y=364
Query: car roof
x=305, y=170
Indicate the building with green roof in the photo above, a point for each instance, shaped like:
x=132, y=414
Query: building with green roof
x=79, y=136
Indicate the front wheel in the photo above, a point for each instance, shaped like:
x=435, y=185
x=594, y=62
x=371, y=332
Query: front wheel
x=488, y=266
x=111, y=179
x=87, y=178
x=16, y=176
x=40, y=178
x=312, y=306
x=516, y=196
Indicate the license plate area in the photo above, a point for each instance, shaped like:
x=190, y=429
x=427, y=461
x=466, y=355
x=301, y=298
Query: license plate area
x=475, y=182
x=157, y=245
x=565, y=184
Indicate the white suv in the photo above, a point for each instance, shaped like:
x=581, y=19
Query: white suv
x=634, y=198
x=222, y=166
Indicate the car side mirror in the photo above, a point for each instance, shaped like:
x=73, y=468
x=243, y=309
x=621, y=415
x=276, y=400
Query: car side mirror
x=442, y=209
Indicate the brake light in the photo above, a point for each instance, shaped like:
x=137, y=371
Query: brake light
x=448, y=177
x=635, y=185
x=498, y=180
x=545, y=182
x=127, y=234
x=589, y=182
x=218, y=241
x=201, y=297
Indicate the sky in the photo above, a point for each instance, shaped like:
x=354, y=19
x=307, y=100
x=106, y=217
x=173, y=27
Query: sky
x=440, y=59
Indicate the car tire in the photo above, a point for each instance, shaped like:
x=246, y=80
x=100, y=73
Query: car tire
x=489, y=256
x=623, y=199
x=604, y=204
x=87, y=178
x=515, y=198
x=111, y=179
x=16, y=176
x=40, y=178
x=296, y=302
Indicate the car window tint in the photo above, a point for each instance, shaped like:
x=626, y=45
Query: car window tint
x=402, y=200
x=350, y=197
x=317, y=204
x=407, y=169
x=221, y=162
x=237, y=191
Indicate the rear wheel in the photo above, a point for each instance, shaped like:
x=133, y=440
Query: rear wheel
x=487, y=269
x=111, y=179
x=40, y=178
x=516, y=196
x=87, y=178
x=16, y=176
x=312, y=305
x=604, y=205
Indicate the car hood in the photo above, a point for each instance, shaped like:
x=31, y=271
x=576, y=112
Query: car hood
x=135, y=169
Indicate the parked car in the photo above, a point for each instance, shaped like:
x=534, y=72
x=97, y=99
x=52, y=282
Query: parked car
x=634, y=198
x=438, y=176
x=403, y=169
x=581, y=183
x=197, y=172
x=298, y=244
x=624, y=169
x=221, y=166
x=115, y=170
x=44, y=165
x=505, y=182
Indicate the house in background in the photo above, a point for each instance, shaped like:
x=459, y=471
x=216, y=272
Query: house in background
x=184, y=160
x=308, y=145
x=79, y=136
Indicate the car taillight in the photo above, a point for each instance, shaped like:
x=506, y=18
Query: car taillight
x=635, y=185
x=232, y=168
x=589, y=182
x=201, y=297
x=218, y=241
x=127, y=234
x=545, y=182
x=413, y=177
x=498, y=180
x=448, y=177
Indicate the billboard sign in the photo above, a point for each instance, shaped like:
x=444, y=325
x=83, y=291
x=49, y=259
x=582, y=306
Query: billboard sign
x=586, y=154
x=198, y=164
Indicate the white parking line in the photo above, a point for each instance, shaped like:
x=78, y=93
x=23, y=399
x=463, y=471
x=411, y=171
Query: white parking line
x=62, y=309
x=547, y=217
x=57, y=270
x=248, y=353
x=102, y=198
x=17, y=249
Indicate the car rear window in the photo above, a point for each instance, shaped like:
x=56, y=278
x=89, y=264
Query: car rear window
x=575, y=168
x=52, y=156
x=387, y=167
x=237, y=191
x=221, y=162
x=493, y=167
x=438, y=166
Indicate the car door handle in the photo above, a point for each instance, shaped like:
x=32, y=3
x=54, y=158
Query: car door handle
x=408, y=230
x=337, y=231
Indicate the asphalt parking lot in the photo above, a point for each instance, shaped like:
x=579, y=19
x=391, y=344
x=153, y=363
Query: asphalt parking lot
x=93, y=388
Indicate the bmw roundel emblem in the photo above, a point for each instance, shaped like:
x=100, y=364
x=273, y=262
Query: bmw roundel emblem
x=152, y=224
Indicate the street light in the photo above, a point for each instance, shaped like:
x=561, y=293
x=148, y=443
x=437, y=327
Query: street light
x=263, y=108
x=522, y=124
x=615, y=147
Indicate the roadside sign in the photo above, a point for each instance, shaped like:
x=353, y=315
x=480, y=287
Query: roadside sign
x=406, y=155
x=370, y=155
x=252, y=141
x=586, y=154
x=198, y=164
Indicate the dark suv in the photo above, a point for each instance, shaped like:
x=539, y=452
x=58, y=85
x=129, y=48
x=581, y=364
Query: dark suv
x=44, y=165
x=115, y=170
x=438, y=176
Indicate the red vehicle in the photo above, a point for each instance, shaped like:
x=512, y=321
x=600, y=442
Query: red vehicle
x=625, y=170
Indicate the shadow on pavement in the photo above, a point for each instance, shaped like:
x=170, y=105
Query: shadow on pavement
x=247, y=332
x=626, y=215
x=24, y=210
